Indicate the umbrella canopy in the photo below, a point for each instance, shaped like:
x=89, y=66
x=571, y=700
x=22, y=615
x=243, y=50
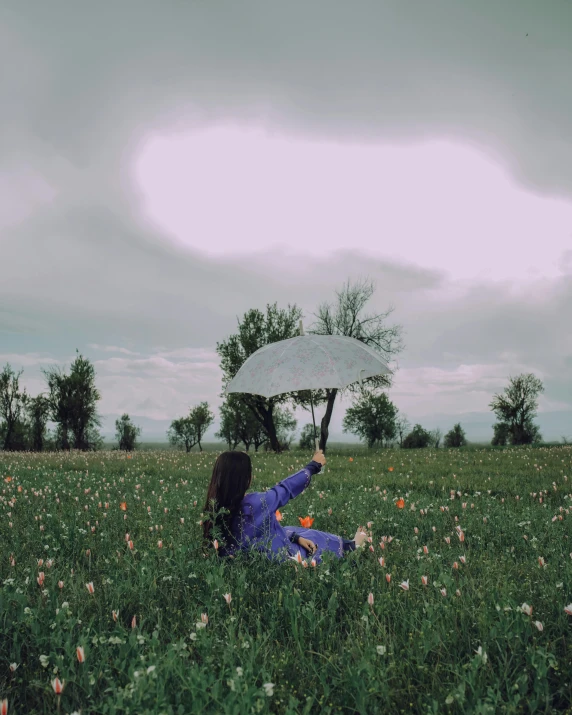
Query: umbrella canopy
x=307, y=362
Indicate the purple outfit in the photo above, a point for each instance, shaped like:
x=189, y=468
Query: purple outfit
x=255, y=525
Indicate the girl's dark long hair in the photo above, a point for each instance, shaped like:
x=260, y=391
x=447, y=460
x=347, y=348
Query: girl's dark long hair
x=230, y=479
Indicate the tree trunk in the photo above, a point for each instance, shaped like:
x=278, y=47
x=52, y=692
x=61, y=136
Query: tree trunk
x=324, y=426
x=8, y=437
x=264, y=415
x=80, y=438
x=37, y=438
x=65, y=440
x=10, y=422
x=271, y=431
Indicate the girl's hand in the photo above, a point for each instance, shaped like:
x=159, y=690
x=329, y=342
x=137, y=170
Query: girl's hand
x=361, y=536
x=319, y=457
x=310, y=546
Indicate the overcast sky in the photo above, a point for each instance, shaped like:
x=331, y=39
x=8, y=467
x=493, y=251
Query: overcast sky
x=166, y=166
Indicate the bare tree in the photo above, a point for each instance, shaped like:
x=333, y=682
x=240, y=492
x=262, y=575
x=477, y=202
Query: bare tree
x=402, y=427
x=346, y=318
x=436, y=435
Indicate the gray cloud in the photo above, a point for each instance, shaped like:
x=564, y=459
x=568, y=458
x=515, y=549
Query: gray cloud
x=383, y=69
x=111, y=281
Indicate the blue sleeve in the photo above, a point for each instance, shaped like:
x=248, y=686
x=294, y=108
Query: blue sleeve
x=290, y=487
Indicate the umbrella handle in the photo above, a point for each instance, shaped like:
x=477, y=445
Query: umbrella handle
x=316, y=438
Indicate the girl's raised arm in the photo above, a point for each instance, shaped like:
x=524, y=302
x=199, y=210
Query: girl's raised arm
x=290, y=487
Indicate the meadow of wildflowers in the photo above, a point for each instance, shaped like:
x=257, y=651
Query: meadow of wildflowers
x=462, y=602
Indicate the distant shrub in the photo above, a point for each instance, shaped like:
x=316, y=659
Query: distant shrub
x=456, y=437
x=417, y=438
x=126, y=433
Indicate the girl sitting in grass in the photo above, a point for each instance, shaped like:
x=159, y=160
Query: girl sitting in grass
x=250, y=521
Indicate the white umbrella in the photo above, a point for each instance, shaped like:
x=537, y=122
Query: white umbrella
x=307, y=362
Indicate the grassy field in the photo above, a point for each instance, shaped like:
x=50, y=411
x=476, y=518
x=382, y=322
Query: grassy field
x=496, y=524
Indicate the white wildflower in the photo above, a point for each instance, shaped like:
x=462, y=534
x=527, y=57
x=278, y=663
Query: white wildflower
x=480, y=652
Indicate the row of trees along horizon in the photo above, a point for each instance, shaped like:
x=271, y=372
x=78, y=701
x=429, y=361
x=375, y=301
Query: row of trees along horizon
x=70, y=400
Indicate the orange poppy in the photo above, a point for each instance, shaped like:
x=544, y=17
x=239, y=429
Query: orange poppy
x=123, y=506
x=391, y=469
x=306, y=522
x=351, y=459
x=8, y=479
x=279, y=515
x=400, y=503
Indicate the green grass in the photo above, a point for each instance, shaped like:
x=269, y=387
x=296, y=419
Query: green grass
x=308, y=631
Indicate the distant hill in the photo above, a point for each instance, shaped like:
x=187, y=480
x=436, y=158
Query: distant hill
x=478, y=426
